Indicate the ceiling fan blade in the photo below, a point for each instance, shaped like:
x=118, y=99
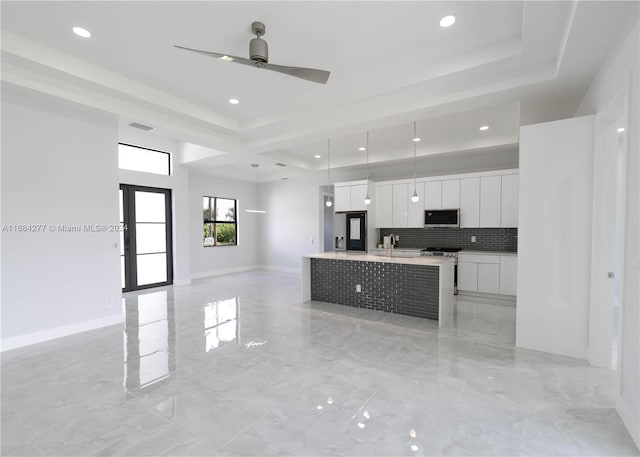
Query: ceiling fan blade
x=310, y=74
x=216, y=55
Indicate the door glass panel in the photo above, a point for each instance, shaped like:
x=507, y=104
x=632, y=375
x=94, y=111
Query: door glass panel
x=151, y=238
x=122, y=271
x=150, y=207
x=152, y=268
x=122, y=242
x=121, y=206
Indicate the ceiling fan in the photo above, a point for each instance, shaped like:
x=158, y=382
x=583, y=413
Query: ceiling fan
x=259, y=58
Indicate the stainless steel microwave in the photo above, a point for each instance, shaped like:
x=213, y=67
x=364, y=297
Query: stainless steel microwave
x=442, y=218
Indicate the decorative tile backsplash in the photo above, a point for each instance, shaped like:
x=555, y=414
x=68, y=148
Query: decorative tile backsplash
x=487, y=239
x=391, y=287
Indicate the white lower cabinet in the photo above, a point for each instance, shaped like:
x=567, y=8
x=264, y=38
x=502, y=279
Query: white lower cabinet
x=508, y=274
x=487, y=273
x=468, y=276
x=489, y=278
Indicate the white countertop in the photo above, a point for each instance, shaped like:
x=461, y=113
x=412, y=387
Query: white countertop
x=378, y=258
x=468, y=251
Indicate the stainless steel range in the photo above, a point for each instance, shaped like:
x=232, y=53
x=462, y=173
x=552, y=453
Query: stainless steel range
x=451, y=253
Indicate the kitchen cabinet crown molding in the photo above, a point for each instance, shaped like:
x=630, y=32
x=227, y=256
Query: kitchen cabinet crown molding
x=477, y=174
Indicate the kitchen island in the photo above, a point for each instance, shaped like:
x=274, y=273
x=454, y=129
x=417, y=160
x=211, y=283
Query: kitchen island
x=416, y=286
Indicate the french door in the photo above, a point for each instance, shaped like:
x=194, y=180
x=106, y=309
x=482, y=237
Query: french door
x=145, y=253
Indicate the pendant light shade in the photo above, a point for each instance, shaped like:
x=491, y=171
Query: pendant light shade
x=414, y=198
x=367, y=199
x=329, y=202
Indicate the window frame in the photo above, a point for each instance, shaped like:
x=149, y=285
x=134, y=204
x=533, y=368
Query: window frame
x=214, y=222
x=168, y=154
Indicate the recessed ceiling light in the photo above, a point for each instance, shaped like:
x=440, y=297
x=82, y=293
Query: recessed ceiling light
x=362, y=148
x=318, y=156
x=447, y=21
x=621, y=129
x=416, y=139
x=82, y=32
x=234, y=101
x=484, y=127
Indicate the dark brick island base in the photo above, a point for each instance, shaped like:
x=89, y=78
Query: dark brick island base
x=411, y=286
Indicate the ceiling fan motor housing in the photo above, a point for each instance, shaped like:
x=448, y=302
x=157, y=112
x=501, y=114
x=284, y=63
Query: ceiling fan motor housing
x=258, y=50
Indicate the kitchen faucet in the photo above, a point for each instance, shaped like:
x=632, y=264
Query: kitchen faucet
x=392, y=243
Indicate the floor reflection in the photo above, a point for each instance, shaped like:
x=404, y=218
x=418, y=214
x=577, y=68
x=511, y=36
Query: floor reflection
x=221, y=323
x=149, y=331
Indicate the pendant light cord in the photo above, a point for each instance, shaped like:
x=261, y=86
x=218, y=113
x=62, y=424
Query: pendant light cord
x=414, y=157
x=367, y=155
x=329, y=161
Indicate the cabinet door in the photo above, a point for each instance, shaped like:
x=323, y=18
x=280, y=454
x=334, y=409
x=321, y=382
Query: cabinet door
x=490, y=201
x=357, y=197
x=400, y=205
x=416, y=210
x=510, y=184
x=470, y=202
x=489, y=278
x=384, y=206
x=341, y=198
x=468, y=276
x=508, y=274
x=450, y=194
x=433, y=195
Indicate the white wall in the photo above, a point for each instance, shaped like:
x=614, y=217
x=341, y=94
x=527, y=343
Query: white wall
x=59, y=166
x=178, y=182
x=223, y=259
x=554, y=236
x=294, y=223
x=620, y=75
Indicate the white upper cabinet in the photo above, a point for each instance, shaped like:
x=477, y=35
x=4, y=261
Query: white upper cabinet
x=509, y=203
x=384, y=206
x=486, y=199
x=416, y=210
x=349, y=196
x=450, y=194
x=358, y=193
x=433, y=195
x=342, y=198
x=400, y=205
x=470, y=202
x=490, y=201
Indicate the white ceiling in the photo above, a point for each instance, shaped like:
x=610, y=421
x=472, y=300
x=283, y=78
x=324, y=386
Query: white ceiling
x=502, y=64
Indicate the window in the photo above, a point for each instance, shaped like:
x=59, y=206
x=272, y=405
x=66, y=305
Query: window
x=220, y=223
x=142, y=159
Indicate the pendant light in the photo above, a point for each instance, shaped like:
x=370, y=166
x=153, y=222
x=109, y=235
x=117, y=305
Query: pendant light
x=329, y=203
x=414, y=197
x=367, y=200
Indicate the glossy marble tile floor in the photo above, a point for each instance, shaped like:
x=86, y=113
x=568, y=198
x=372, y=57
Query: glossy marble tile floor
x=236, y=365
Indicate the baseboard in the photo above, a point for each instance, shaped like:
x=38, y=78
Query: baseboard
x=632, y=424
x=226, y=271
x=295, y=271
x=59, y=332
x=500, y=299
x=182, y=282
